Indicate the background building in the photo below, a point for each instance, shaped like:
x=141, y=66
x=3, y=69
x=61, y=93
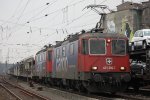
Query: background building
x=146, y=15
x=128, y=18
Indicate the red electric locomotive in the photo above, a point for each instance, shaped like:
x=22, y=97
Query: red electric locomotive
x=97, y=62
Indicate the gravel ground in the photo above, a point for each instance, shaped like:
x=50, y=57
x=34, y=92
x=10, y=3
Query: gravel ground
x=55, y=94
x=51, y=93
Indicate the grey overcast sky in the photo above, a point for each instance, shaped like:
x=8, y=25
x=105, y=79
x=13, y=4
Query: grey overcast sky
x=27, y=25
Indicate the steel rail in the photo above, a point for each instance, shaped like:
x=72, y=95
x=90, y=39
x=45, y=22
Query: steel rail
x=13, y=94
x=126, y=96
x=28, y=92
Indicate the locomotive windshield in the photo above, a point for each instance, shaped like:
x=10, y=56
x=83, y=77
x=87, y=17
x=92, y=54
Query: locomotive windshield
x=97, y=46
x=118, y=47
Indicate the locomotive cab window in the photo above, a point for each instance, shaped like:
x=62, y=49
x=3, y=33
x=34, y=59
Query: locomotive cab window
x=118, y=47
x=49, y=55
x=97, y=46
x=85, y=46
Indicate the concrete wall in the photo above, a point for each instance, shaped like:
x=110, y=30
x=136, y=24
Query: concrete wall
x=146, y=15
x=124, y=22
x=129, y=5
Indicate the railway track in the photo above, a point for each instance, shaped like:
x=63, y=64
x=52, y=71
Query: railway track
x=142, y=94
x=99, y=96
x=19, y=93
x=75, y=95
x=117, y=96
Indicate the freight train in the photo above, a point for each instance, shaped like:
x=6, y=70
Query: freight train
x=91, y=61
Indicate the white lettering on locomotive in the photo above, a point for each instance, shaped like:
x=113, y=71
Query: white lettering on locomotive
x=109, y=67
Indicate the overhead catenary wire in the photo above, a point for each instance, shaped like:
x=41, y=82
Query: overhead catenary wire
x=50, y=13
x=49, y=28
x=78, y=17
x=61, y=29
x=10, y=18
x=33, y=29
x=19, y=17
x=57, y=10
x=23, y=11
x=13, y=13
x=48, y=5
x=45, y=15
x=22, y=14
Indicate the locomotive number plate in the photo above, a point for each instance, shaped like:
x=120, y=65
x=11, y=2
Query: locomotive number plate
x=109, y=67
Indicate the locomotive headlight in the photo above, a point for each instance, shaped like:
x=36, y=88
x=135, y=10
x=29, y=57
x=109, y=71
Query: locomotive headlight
x=108, y=40
x=94, y=68
x=122, y=68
